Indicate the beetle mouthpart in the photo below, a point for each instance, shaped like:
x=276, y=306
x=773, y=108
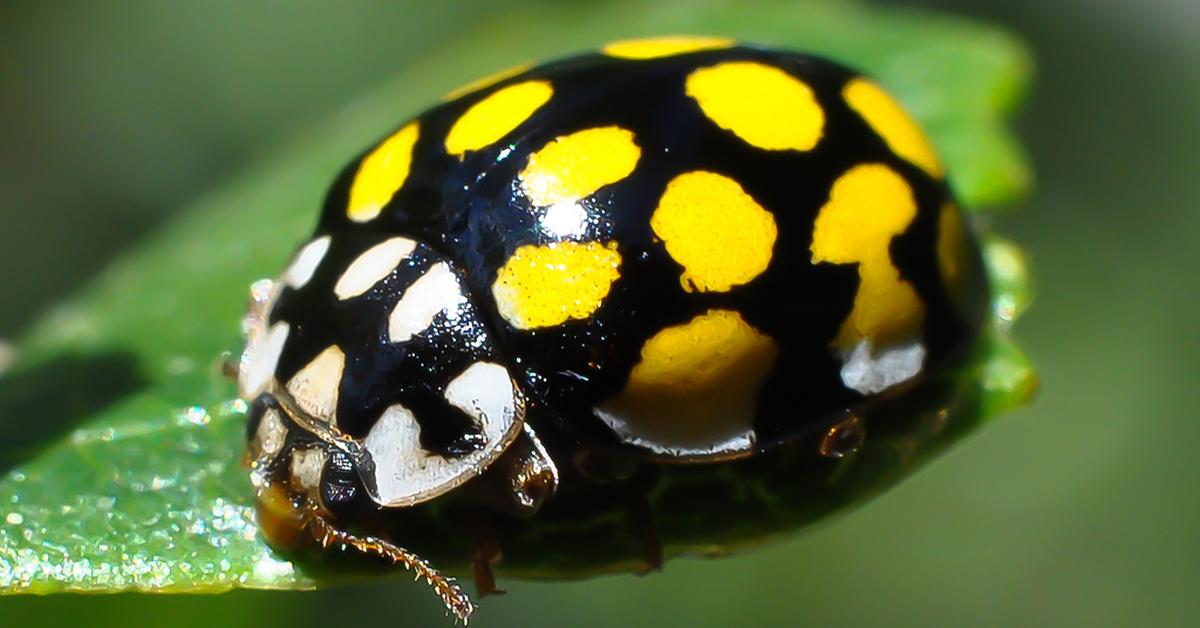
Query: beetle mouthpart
x=326, y=534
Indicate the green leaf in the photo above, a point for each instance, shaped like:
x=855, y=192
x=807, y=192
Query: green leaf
x=122, y=442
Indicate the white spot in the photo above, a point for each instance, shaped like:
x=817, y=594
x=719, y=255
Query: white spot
x=485, y=392
x=406, y=474
x=722, y=447
x=869, y=373
x=270, y=434
x=372, y=266
x=315, y=387
x=306, y=468
x=435, y=291
x=302, y=268
x=260, y=359
x=565, y=219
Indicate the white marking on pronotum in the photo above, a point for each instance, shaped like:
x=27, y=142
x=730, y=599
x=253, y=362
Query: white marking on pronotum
x=315, y=387
x=306, y=467
x=260, y=359
x=305, y=264
x=270, y=434
x=406, y=474
x=435, y=291
x=372, y=266
x=869, y=372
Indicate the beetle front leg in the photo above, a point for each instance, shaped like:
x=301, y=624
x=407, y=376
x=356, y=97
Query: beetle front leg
x=520, y=481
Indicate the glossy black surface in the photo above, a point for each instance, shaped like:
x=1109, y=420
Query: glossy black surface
x=472, y=212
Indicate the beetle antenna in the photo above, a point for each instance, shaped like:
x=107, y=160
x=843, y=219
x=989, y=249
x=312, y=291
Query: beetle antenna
x=456, y=600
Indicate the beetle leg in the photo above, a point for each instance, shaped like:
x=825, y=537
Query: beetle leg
x=486, y=552
x=327, y=534
x=639, y=520
x=520, y=481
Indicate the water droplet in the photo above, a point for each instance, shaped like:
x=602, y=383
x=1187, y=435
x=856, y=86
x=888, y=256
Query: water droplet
x=234, y=406
x=15, y=518
x=195, y=415
x=844, y=438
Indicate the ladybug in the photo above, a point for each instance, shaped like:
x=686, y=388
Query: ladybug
x=566, y=283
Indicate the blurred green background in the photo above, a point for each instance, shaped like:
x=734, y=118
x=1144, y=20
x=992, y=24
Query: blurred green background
x=1080, y=510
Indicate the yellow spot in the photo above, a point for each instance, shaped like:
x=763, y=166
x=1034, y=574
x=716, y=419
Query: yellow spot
x=487, y=81
x=381, y=174
x=716, y=231
x=696, y=383
x=890, y=121
x=654, y=47
x=573, y=166
x=546, y=285
x=763, y=105
x=951, y=246
x=496, y=115
x=868, y=206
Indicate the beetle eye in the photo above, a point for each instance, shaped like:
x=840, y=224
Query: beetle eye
x=340, y=484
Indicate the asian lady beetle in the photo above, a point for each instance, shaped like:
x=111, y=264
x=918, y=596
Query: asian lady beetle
x=672, y=254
